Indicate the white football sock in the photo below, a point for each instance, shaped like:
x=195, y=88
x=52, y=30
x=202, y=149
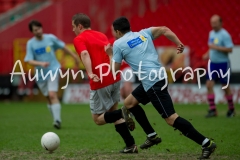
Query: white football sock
x=56, y=110
x=49, y=108
x=205, y=141
x=151, y=134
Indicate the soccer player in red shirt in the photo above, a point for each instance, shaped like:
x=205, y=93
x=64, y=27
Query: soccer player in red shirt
x=105, y=92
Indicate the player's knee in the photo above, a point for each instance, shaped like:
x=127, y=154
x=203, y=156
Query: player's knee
x=52, y=95
x=129, y=104
x=97, y=122
x=130, y=101
x=170, y=120
x=209, y=85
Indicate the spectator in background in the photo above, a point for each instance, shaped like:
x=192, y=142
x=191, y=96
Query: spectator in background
x=41, y=54
x=220, y=45
x=126, y=87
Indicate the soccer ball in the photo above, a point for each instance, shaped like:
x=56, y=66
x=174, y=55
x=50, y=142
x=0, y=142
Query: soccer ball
x=50, y=141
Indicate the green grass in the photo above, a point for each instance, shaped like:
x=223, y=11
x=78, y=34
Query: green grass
x=23, y=124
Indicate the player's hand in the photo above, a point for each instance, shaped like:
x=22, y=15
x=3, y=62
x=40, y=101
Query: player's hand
x=108, y=49
x=205, y=56
x=77, y=61
x=94, y=77
x=180, y=48
x=45, y=64
x=212, y=46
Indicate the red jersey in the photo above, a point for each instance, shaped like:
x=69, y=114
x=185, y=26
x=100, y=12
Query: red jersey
x=94, y=43
x=124, y=65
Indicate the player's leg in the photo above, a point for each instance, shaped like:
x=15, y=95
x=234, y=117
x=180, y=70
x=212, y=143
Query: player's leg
x=55, y=103
x=212, y=112
x=162, y=101
x=120, y=125
x=109, y=96
x=225, y=67
x=229, y=98
x=101, y=101
x=122, y=129
x=212, y=76
x=43, y=87
x=132, y=104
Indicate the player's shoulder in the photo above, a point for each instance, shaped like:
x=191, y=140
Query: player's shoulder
x=49, y=35
x=79, y=37
x=144, y=29
x=224, y=32
x=31, y=40
x=118, y=42
x=99, y=34
x=211, y=32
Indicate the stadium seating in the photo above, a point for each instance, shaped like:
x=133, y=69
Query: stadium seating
x=8, y=4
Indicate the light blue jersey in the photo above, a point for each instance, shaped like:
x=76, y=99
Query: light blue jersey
x=136, y=48
x=223, y=39
x=44, y=50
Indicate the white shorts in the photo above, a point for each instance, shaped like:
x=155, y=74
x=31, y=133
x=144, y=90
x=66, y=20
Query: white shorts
x=103, y=99
x=127, y=76
x=48, y=85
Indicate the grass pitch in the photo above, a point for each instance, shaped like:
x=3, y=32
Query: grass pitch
x=23, y=124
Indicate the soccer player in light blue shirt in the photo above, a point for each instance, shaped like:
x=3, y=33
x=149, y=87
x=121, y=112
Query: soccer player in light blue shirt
x=41, y=54
x=136, y=48
x=220, y=45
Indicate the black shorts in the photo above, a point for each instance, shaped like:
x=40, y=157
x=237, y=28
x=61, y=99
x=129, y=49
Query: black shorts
x=160, y=99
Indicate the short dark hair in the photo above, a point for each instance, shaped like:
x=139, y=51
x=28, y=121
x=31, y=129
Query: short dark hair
x=34, y=23
x=82, y=19
x=122, y=24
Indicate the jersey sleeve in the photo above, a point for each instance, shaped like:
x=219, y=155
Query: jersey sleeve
x=210, y=39
x=79, y=45
x=148, y=32
x=227, y=41
x=117, y=54
x=58, y=44
x=29, y=55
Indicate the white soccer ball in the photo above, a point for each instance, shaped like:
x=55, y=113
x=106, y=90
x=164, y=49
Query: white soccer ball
x=50, y=141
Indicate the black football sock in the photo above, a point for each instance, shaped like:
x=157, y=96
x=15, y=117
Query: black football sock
x=125, y=134
x=111, y=117
x=142, y=119
x=188, y=130
x=206, y=142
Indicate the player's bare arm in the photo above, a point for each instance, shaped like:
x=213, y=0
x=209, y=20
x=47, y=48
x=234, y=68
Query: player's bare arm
x=206, y=55
x=86, y=59
x=38, y=63
x=162, y=30
x=219, y=48
x=76, y=58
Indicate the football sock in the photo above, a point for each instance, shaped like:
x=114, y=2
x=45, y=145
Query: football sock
x=142, y=119
x=152, y=135
x=49, y=108
x=188, y=130
x=111, y=117
x=125, y=134
x=211, y=101
x=206, y=142
x=230, y=102
x=56, y=111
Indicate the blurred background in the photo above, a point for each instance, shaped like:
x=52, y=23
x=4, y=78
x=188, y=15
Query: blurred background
x=189, y=19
